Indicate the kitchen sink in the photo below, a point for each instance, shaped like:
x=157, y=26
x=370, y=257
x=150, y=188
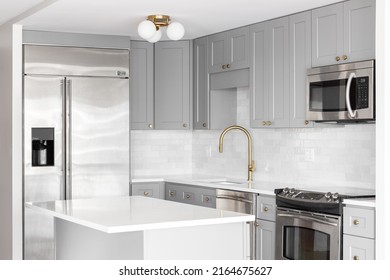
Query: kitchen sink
x=223, y=182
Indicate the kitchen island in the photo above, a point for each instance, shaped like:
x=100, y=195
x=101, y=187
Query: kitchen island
x=141, y=228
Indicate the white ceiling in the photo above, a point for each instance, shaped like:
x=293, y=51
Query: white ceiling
x=12, y=8
x=121, y=17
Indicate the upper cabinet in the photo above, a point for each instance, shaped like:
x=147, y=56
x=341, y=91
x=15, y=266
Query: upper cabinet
x=229, y=50
x=160, y=85
x=201, y=84
x=141, y=85
x=343, y=32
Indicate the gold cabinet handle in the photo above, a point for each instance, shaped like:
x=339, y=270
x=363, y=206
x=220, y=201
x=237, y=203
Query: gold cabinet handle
x=228, y=66
x=257, y=224
x=171, y=193
x=207, y=199
x=356, y=258
x=337, y=58
x=188, y=196
x=269, y=123
x=224, y=66
x=146, y=193
x=264, y=123
x=184, y=125
x=306, y=122
x=204, y=124
x=150, y=126
x=356, y=222
x=345, y=57
x=265, y=209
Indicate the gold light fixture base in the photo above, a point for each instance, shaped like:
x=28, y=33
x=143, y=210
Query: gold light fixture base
x=159, y=20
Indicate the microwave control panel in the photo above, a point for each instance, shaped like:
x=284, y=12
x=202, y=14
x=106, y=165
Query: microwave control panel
x=362, y=93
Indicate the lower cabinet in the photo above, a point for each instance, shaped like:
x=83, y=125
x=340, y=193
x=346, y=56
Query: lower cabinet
x=265, y=227
x=148, y=189
x=265, y=240
x=358, y=233
x=190, y=194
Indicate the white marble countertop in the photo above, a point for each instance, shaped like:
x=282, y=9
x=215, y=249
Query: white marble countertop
x=365, y=202
x=135, y=213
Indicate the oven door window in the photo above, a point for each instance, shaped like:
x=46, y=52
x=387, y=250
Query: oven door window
x=301, y=243
x=329, y=96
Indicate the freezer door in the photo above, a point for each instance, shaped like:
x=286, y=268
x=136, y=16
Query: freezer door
x=98, y=145
x=43, y=102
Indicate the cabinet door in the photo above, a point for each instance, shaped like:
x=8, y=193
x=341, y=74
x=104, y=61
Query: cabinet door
x=358, y=248
x=258, y=74
x=300, y=61
x=217, y=51
x=327, y=35
x=265, y=240
x=237, y=55
x=359, y=30
x=141, y=85
x=172, y=85
x=278, y=79
x=201, y=84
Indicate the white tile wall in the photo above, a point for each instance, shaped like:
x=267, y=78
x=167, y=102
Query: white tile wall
x=331, y=155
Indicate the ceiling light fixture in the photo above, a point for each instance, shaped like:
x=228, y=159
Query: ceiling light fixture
x=149, y=29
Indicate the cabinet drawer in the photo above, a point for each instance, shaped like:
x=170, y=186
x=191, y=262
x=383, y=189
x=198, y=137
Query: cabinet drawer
x=155, y=189
x=266, y=208
x=190, y=194
x=359, y=222
x=358, y=248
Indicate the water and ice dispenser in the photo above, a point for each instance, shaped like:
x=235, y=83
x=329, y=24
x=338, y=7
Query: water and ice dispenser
x=42, y=140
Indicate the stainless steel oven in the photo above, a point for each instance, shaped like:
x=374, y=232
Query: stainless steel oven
x=309, y=224
x=341, y=93
x=302, y=235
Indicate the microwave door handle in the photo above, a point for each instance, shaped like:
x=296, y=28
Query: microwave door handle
x=351, y=114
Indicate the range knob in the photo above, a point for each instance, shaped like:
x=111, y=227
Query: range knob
x=286, y=190
x=328, y=195
x=292, y=191
x=335, y=196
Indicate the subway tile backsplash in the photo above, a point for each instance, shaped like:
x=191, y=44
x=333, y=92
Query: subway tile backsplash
x=325, y=155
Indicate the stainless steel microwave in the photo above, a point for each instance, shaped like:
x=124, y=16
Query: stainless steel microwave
x=341, y=93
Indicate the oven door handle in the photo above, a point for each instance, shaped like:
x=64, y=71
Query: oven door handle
x=351, y=114
x=307, y=218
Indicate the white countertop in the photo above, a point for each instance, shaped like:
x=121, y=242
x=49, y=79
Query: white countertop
x=365, y=202
x=135, y=213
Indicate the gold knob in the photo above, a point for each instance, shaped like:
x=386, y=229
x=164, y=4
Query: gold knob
x=228, y=66
x=356, y=258
x=257, y=224
x=150, y=126
x=306, y=122
x=264, y=123
x=345, y=57
x=337, y=58
x=265, y=209
x=146, y=193
x=171, y=193
x=207, y=198
x=269, y=123
x=224, y=66
x=187, y=196
x=184, y=125
x=356, y=222
x=204, y=124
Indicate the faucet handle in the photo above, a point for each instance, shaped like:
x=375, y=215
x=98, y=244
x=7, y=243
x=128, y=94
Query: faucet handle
x=252, y=167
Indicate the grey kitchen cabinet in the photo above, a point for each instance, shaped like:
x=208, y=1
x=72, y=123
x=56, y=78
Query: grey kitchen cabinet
x=148, y=189
x=265, y=227
x=358, y=233
x=141, y=85
x=300, y=61
x=172, y=85
x=343, y=32
x=190, y=194
x=229, y=50
x=269, y=73
x=201, y=84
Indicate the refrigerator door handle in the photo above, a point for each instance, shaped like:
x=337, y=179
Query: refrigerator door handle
x=68, y=149
x=63, y=149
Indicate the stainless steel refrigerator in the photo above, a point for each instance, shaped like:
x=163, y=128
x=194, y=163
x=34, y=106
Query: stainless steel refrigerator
x=76, y=132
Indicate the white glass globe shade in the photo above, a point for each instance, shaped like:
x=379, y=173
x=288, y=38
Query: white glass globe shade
x=146, y=29
x=156, y=37
x=175, y=31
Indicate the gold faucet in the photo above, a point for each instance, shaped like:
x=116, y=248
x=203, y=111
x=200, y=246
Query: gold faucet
x=251, y=163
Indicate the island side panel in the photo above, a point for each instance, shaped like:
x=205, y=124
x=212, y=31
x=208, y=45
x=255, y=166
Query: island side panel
x=76, y=242
x=208, y=242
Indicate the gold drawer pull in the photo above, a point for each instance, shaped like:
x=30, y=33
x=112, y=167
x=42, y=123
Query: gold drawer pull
x=146, y=193
x=345, y=57
x=306, y=122
x=265, y=209
x=356, y=222
x=337, y=58
x=224, y=66
x=264, y=123
x=228, y=66
x=356, y=258
x=269, y=123
x=150, y=126
x=188, y=196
